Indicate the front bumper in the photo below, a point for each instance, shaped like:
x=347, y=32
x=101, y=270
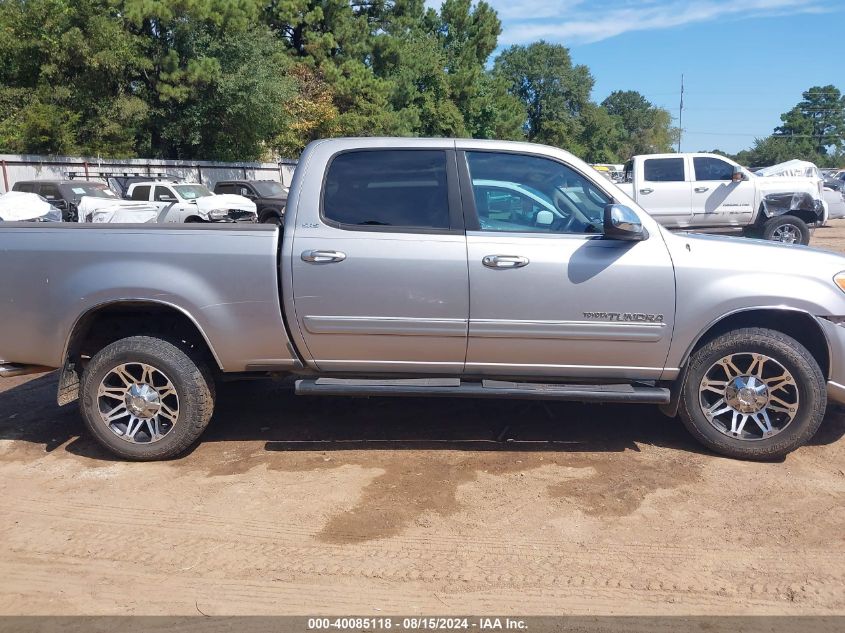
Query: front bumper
x=236, y=215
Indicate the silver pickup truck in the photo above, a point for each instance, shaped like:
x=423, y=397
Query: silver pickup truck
x=416, y=267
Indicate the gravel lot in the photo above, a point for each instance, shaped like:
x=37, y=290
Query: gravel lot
x=341, y=506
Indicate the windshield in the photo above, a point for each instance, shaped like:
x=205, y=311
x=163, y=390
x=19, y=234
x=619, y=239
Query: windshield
x=91, y=189
x=192, y=192
x=269, y=189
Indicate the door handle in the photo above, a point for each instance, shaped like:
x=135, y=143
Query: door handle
x=701, y=189
x=322, y=257
x=646, y=191
x=504, y=261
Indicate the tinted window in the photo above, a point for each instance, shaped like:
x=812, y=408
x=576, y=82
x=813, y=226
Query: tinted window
x=664, y=170
x=141, y=193
x=50, y=191
x=224, y=188
x=521, y=193
x=400, y=188
x=28, y=187
x=163, y=194
x=707, y=168
x=269, y=189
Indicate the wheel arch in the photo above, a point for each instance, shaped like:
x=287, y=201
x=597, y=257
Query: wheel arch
x=265, y=212
x=808, y=217
x=800, y=325
x=107, y=322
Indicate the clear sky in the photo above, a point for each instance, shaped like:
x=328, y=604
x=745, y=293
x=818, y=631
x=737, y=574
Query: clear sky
x=744, y=61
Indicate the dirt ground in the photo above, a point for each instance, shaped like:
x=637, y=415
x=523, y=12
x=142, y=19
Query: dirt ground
x=342, y=506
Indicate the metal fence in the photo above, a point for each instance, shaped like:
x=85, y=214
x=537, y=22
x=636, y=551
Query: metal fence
x=15, y=167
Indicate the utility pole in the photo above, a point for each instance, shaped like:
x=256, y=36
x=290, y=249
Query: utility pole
x=681, y=115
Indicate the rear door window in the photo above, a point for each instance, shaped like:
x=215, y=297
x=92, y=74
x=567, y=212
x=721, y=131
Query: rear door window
x=663, y=170
x=387, y=188
x=707, y=168
x=141, y=193
x=27, y=187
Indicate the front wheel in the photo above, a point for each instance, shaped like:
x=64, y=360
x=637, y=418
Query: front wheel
x=145, y=399
x=753, y=393
x=786, y=229
x=274, y=219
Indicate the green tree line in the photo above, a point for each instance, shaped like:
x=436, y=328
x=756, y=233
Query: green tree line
x=813, y=130
x=248, y=79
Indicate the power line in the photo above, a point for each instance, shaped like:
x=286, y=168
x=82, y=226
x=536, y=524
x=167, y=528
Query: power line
x=778, y=136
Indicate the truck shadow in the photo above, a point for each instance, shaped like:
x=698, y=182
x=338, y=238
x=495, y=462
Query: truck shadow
x=267, y=411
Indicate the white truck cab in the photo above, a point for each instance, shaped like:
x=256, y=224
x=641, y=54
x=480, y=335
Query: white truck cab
x=192, y=202
x=708, y=191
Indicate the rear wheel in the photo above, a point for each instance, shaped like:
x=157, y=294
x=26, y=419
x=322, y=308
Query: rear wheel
x=786, y=229
x=145, y=399
x=754, y=394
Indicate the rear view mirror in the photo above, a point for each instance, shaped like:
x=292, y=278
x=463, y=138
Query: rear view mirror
x=622, y=223
x=737, y=176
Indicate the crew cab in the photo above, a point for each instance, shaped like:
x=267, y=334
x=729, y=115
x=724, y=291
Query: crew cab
x=269, y=196
x=192, y=202
x=707, y=191
x=430, y=267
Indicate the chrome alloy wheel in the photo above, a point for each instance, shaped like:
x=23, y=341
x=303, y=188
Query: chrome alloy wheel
x=787, y=234
x=138, y=403
x=742, y=388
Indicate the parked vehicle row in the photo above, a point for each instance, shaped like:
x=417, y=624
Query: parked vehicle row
x=161, y=199
x=706, y=191
x=431, y=267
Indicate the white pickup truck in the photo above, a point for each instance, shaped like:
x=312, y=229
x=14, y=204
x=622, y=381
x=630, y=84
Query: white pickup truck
x=192, y=202
x=707, y=191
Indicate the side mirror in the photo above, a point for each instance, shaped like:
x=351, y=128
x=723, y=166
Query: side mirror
x=737, y=176
x=622, y=223
x=544, y=218
x=167, y=199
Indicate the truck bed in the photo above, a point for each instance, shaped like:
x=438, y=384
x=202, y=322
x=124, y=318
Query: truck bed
x=224, y=278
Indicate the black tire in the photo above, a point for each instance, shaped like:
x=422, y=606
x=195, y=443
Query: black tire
x=188, y=374
x=794, y=357
x=273, y=218
x=773, y=227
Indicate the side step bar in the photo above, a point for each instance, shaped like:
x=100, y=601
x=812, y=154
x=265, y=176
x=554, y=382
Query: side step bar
x=456, y=388
x=10, y=370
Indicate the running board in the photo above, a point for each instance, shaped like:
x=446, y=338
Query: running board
x=10, y=370
x=456, y=388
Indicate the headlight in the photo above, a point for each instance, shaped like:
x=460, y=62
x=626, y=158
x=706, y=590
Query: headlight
x=218, y=214
x=839, y=280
